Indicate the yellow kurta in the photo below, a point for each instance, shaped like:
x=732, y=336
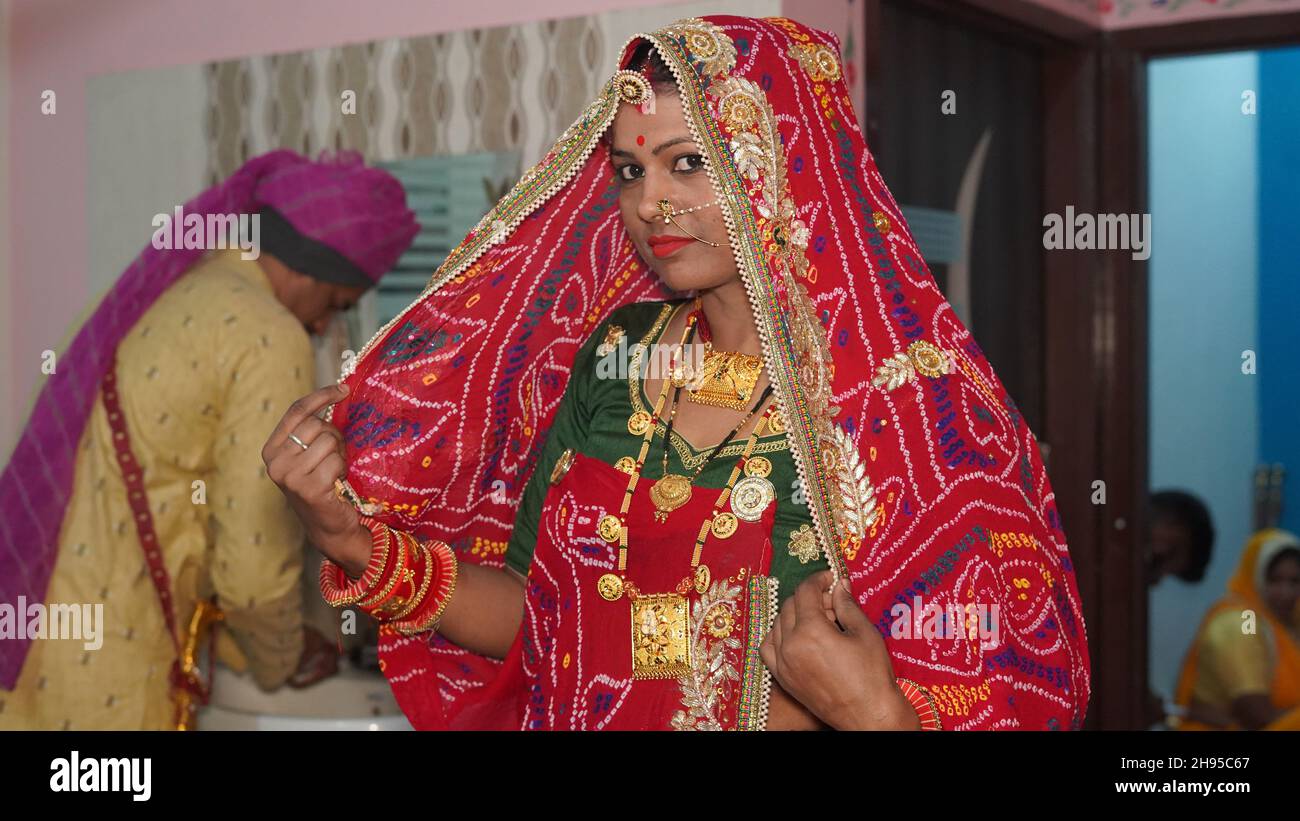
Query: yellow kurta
x=203, y=378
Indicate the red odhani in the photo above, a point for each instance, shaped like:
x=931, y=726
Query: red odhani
x=923, y=483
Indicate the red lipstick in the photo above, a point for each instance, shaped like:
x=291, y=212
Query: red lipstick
x=664, y=245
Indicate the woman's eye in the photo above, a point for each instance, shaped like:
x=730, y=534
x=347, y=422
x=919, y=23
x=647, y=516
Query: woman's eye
x=689, y=163
x=628, y=173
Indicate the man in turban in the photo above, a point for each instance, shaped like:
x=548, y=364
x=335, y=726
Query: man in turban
x=136, y=498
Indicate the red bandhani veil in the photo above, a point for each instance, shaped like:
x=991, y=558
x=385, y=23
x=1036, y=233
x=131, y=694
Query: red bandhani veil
x=923, y=483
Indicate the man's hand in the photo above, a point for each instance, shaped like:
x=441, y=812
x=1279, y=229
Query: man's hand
x=319, y=660
x=840, y=672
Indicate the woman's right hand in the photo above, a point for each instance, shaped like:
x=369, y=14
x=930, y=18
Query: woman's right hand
x=306, y=476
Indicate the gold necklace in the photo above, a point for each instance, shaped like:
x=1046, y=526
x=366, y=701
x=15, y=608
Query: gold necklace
x=662, y=646
x=613, y=527
x=728, y=379
x=674, y=490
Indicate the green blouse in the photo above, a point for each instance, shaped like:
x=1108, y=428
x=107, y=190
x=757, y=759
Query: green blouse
x=592, y=419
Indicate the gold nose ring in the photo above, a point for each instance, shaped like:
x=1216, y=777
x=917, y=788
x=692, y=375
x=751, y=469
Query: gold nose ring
x=666, y=211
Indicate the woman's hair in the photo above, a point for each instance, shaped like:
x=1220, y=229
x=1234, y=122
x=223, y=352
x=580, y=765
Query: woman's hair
x=661, y=77
x=1190, y=512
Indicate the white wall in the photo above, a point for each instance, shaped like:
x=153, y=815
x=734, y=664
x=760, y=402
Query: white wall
x=147, y=155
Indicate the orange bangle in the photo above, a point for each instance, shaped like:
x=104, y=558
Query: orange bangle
x=922, y=702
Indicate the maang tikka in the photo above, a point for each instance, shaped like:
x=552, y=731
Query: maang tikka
x=635, y=88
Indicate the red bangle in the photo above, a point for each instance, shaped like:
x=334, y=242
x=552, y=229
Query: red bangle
x=922, y=702
x=438, y=585
x=394, y=571
x=335, y=587
x=407, y=578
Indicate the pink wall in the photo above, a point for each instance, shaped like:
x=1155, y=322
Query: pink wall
x=1120, y=14
x=61, y=44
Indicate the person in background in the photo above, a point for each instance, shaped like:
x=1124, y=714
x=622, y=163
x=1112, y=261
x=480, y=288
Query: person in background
x=138, y=483
x=1243, y=669
x=1180, y=537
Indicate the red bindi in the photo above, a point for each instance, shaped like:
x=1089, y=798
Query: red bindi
x=640, y=140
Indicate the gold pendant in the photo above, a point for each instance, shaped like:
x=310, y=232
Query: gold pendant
x=626, y=464
x=638, y=423
x=610, y=587
x=668, y=494
x=724, y=525
x=702, y=578
x=610, y=528
x=751, y=496
x=661, y=646
x=758, y=466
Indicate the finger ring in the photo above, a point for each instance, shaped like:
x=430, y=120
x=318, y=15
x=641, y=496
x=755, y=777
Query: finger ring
x=298, y=441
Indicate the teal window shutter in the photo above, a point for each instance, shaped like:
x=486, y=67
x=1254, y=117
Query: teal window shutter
x=448, y=195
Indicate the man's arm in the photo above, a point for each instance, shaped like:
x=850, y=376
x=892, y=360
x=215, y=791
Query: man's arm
x=257, y=561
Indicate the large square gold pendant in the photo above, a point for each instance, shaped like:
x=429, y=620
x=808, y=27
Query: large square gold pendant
x=661, y=641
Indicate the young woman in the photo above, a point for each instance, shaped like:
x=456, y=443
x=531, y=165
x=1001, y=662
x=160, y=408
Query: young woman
x=807, y=502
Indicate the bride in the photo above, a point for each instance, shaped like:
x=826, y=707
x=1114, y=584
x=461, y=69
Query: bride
x=802, y=444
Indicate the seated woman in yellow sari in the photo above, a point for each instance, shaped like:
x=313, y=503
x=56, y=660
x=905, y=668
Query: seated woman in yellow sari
x=1243, y=670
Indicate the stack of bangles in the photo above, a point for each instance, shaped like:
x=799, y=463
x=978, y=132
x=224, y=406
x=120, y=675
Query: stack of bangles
x=922, y=702
x=406, y=585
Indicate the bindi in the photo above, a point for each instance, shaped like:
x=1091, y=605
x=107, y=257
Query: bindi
x=640, y=139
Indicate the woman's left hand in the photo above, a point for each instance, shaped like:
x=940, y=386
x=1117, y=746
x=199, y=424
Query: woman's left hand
x=842, y=675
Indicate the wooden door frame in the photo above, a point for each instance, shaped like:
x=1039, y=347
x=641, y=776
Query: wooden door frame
x=1095, y=303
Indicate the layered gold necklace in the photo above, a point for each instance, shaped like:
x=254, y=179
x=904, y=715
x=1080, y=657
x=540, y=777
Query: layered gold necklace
x=661, y=647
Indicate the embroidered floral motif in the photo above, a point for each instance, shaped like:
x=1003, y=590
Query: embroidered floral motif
x=714, y=669
x=928, y=359
x=921, y=357
x=819, y=61
x=720, y=621
x=803, y=544
x=894, y=372
x=853, y=487
x=706, y=45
